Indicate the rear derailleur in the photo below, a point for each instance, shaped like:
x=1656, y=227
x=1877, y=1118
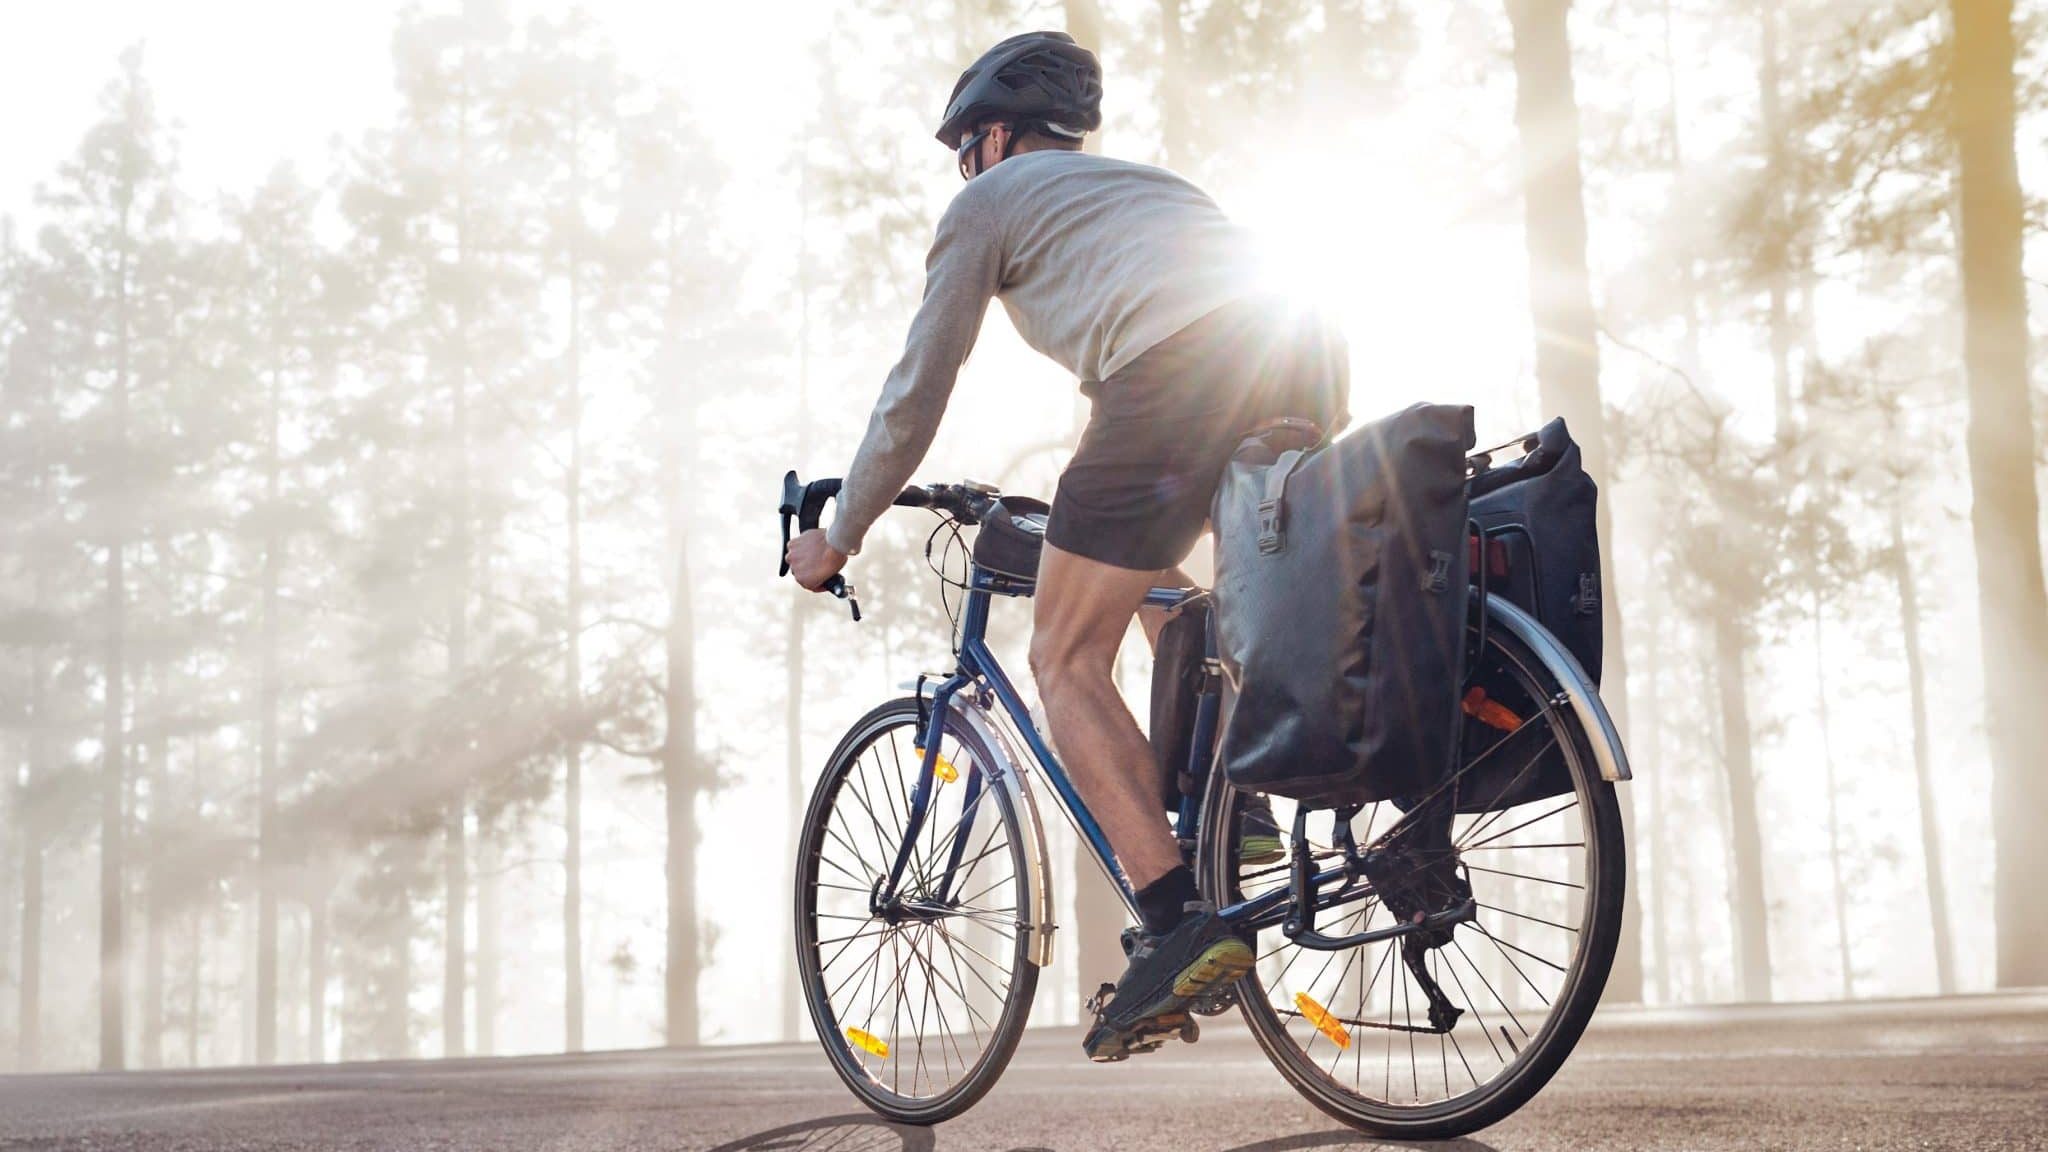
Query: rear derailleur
x=1415, y=872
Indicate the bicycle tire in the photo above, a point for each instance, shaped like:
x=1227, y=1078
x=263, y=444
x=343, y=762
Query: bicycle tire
x=842, y=781
x=1531, y=1068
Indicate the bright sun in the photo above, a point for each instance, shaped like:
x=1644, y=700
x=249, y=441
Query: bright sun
x=1426, y=280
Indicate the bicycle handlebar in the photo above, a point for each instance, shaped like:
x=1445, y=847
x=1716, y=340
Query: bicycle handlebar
x=966, y=501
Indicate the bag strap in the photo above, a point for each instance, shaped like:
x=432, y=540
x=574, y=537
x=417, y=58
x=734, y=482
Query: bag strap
x=1273, y=509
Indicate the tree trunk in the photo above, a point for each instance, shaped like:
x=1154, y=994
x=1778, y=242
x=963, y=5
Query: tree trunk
x=1659, y=783
x=158, y=909
x=195, y=952
x=1901, y=564
x=488, y=935
x=29, y=1015
x=793, y=633
x=679, y=769
x=455, y=849
x=113, y=729
x=2004, y=518
x=395, y=1041
x=1173, y=95
x=1827, y=748
x=681, y=773
x=572, y=865
x=1567, y=340
x=1775, y=241
x=267, y=703
x=455, y=883
x=316, y=974
x=1753, y=958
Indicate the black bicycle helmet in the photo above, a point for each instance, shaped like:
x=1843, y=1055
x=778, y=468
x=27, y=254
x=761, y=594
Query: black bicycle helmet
x=1042, y=79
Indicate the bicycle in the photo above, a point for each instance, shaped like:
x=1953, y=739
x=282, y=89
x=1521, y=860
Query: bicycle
x=924, y=901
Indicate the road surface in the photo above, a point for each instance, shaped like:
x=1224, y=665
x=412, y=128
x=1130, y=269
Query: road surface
x=1968, y=1073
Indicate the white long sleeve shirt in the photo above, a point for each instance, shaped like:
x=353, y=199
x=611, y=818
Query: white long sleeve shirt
x=1095, y=260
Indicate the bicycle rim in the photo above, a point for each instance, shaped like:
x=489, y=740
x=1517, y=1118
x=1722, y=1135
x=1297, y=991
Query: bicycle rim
x=919, y=1013
x=1349, y=1029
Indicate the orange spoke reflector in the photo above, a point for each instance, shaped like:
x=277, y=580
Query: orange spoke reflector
x=1491, y=713
x=942, y=767
x=869, y=1043
x=1325, y=1023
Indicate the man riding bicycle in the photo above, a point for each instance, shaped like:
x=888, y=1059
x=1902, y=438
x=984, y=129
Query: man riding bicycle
x=1134, y=280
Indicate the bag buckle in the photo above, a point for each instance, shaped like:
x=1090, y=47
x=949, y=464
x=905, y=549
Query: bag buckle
x=1271, y=535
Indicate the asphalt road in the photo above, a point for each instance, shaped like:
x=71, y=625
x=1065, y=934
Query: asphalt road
x=1966, y=1073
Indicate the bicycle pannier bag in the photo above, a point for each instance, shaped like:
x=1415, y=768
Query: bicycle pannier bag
x=1176, y=691
x=1539, y=542
x=1341, y=575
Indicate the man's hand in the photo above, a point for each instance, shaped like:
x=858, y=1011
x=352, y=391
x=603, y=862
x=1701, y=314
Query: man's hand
x=813, y=561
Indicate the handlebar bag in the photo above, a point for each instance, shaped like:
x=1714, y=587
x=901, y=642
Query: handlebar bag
x=1341, y=575
x=1011, y=537
x=1539, y=540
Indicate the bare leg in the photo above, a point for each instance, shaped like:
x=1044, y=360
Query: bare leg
x=1081, y=609
x=1153, y=619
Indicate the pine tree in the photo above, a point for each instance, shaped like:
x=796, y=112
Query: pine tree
x=2004, y=521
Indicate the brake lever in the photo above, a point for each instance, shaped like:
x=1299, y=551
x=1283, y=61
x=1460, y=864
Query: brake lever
x=805, y=502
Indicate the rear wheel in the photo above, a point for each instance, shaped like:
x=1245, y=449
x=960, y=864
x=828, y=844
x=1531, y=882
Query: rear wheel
x=921, y=1001
x=1352, y=1030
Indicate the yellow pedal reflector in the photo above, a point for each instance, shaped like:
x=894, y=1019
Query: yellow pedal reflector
x=942, y=767
x=869, y=1043
x=1325, y=1023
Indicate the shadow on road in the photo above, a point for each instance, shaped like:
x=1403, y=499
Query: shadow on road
x=864, y=1133
x=859, y=1132
x=1346, y=1138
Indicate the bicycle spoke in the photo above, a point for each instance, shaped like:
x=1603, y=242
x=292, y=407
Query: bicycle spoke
x=1474, y=1008
x=1524, y=876
x=1489, y=985
x=1518, y=948
x=1526, y=916
x=951, y=941
x=1572, y=803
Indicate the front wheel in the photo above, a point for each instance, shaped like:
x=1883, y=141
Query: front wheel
x=919, y=1000
x=1353, y=1029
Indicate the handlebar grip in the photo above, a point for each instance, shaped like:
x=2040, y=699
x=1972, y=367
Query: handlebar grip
x=812, y=505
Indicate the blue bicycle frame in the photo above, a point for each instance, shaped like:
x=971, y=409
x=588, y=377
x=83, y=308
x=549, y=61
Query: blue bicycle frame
x=978, y=666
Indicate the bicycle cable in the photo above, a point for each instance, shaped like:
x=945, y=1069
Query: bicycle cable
x=947, y=581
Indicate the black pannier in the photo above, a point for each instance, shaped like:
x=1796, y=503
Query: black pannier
x=1536, y=516
x=1176, y=692
x=1539, y=544
x=1341, y=575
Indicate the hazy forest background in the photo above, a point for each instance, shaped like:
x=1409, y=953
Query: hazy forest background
x=391, y=661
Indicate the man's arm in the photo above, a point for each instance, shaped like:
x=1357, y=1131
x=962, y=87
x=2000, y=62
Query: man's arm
x=962, y=274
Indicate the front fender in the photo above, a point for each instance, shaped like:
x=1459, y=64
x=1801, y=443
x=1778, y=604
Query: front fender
x=1010, y=776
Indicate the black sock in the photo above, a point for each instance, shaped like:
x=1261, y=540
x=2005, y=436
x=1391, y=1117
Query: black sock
x=1163, y=902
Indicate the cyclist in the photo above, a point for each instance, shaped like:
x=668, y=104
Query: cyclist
x=1134, y=280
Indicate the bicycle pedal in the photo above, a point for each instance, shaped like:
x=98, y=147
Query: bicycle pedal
x=1094, y=1004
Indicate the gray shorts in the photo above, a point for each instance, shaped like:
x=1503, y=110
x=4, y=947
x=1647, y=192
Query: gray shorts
x=1139, y=487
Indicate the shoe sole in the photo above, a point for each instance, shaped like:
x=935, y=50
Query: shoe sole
x=1219, y=964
